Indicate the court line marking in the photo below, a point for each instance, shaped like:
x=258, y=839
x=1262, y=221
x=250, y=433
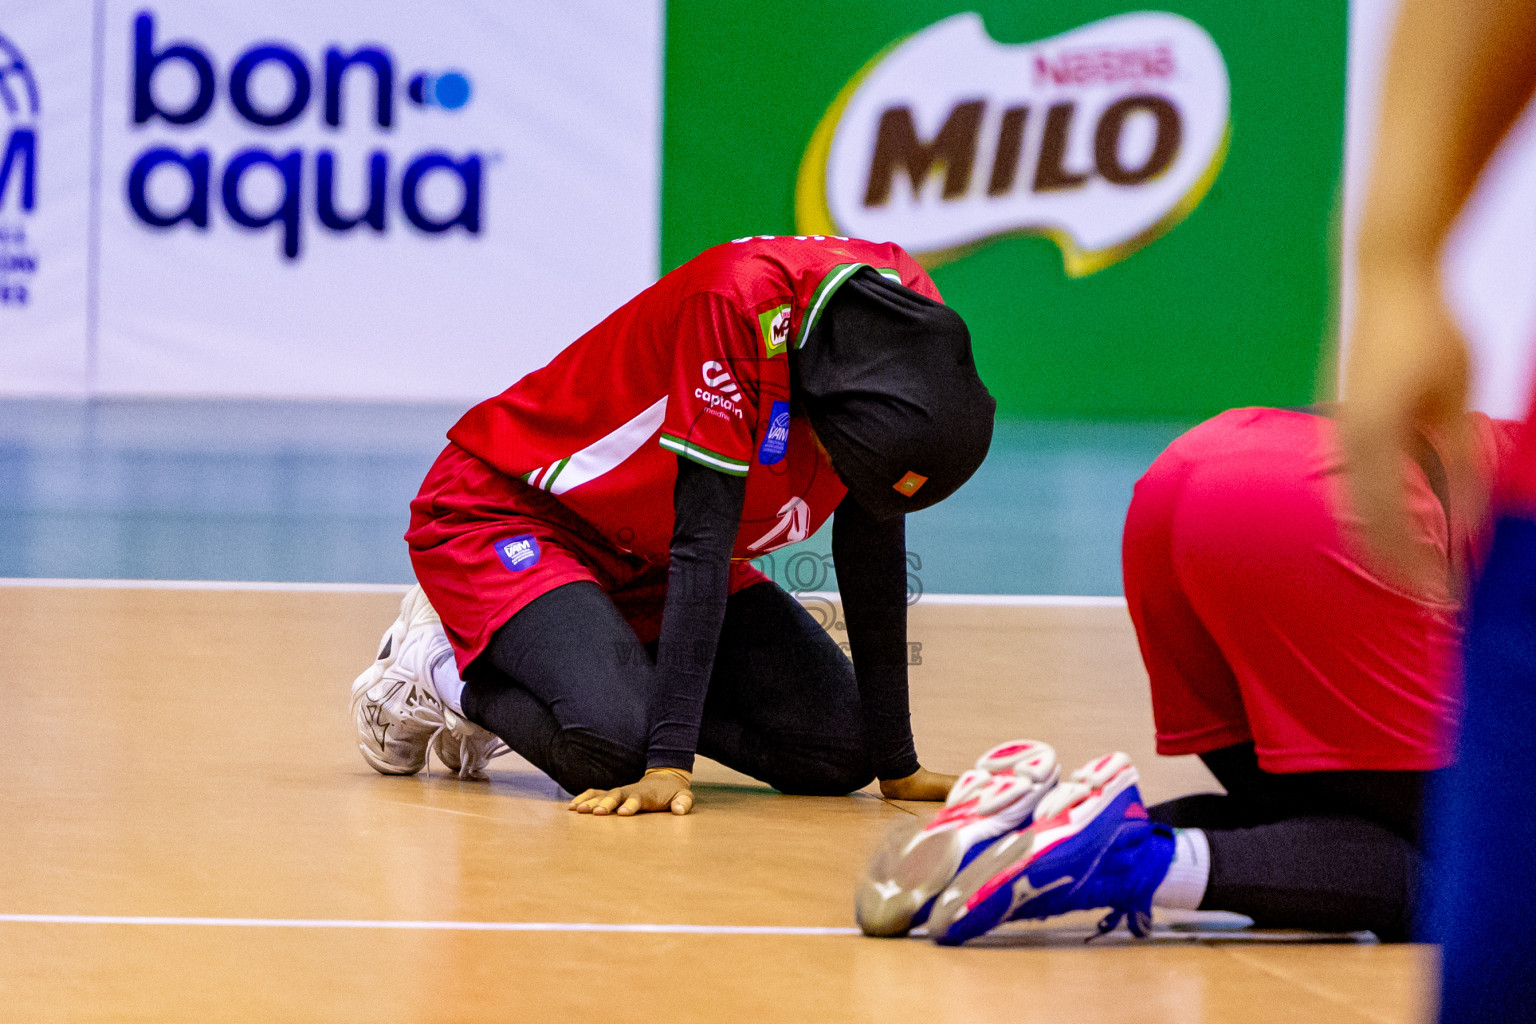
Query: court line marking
x=452, y=926
x=1001, y=600
x=316, y=588
x=446, y=810
x=1022, y=600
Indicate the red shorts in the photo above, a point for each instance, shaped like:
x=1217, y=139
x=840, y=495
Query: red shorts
x=1257, y=619
x=484, y=545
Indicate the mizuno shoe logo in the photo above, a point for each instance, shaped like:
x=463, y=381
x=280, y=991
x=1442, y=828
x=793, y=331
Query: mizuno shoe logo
x=371, y=716
x=1024, y=890
x=373, y=711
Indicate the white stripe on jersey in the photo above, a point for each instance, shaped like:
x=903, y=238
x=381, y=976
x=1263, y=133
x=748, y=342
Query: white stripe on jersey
x=608, y=452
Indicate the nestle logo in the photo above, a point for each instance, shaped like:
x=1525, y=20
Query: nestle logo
x=1083, y=67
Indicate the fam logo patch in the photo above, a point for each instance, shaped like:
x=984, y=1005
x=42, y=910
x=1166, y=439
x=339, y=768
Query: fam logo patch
x=1101, y=139
x=775, y=327
x=776, y=441
x=18, y=173
x=518, y=553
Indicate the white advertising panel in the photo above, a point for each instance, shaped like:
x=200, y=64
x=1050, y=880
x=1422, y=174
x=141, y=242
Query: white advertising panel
x=45, y=98
x=353, y=200
x=399, y=201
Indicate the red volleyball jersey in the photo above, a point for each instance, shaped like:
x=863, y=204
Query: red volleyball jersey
x=696, y=366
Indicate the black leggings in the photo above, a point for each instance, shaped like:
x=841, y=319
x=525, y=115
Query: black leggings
x=1324, y=851
x=567, y=684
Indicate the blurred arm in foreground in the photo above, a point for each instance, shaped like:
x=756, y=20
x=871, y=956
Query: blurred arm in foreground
x=1458, y=75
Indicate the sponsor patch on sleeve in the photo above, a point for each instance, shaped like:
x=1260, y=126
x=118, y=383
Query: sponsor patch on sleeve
x=775, y=327
x=518, y=553
x=776, y=440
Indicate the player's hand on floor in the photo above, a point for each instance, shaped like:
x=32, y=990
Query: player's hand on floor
x=920, y=785
x=659, y=790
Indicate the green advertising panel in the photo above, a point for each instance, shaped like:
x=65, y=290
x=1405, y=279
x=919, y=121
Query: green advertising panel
x=1133, y=208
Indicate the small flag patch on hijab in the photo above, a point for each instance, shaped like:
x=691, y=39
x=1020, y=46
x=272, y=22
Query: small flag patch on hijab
x=909, y=484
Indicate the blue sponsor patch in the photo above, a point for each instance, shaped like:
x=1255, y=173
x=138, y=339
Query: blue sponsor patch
x=776, y=441
x=518, y=553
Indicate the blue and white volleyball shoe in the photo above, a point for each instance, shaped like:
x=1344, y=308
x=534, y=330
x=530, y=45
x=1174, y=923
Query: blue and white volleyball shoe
x=1091, y=846
x=914, y=863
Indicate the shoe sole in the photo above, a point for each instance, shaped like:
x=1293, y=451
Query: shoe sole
x=393, y=637
x=985, y=893
x=914, y=862
x=906, y=871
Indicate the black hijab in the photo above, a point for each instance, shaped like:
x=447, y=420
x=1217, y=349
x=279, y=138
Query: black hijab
x=889, y=384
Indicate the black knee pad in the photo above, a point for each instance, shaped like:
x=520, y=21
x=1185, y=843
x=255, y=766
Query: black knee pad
x=824, y=780
x=584, y=760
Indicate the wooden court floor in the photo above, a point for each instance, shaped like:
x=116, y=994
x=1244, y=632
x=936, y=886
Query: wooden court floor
x=187, y=833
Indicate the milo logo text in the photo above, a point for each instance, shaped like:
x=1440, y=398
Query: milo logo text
x=1102, y=139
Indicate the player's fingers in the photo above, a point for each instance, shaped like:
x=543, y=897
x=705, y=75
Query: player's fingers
x=608, y=802
x=682, y=803
x=630, y=806
x=586, y=797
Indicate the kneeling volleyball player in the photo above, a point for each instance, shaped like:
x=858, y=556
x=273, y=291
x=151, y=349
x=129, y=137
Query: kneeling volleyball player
x=582, y=545
x=1321, y=696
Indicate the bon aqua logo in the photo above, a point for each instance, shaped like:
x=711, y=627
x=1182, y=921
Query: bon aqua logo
x=302, y=183
x=1102, y=139
x=18, y=173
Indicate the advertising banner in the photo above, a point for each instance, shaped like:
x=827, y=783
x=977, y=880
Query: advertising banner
x=44, y=196
x=1141, y=212
x=1133, y=209
x=344, y=200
